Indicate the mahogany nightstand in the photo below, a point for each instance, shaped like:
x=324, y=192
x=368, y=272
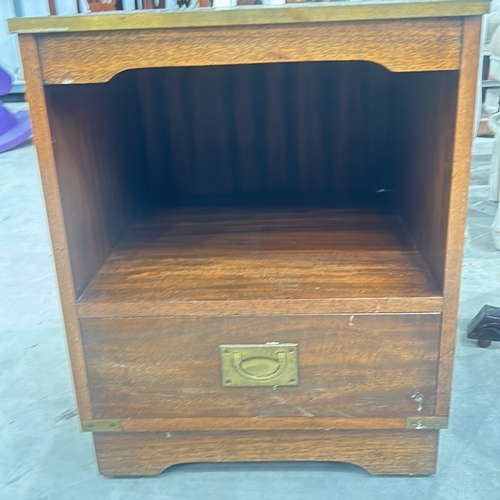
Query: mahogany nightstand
x=257, y=218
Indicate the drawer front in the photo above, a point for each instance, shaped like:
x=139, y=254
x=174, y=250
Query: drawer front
x=347, y=366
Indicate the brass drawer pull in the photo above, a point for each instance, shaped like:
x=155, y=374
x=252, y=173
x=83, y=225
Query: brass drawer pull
x=269, y=368
x=259, y=365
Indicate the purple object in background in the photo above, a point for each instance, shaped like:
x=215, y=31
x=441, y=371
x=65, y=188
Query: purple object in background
x=14, y=127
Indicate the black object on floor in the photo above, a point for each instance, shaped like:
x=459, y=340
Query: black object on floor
x=485, y=327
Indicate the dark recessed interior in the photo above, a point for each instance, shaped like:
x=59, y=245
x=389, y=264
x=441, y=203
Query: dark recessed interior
x=301, y=144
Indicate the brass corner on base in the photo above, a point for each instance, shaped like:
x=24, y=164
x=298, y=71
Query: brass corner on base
x=102, y=425
x=427, y=423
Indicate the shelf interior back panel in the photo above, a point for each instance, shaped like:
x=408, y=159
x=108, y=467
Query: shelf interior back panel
x=200, y=254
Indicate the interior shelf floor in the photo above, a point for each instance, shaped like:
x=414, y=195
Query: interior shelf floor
x=305, y=260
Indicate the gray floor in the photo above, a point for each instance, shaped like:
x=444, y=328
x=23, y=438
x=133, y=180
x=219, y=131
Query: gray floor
x=44, y=456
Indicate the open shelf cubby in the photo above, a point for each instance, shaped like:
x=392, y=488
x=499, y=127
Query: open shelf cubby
x=324, y=183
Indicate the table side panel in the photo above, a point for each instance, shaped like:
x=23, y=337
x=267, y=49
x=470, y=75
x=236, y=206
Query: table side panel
x=464, y=133
x=98, y=155
x=423, y=156
x=50, y=183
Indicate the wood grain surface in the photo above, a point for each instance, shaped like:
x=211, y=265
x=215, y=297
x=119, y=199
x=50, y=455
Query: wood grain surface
x=50, y=182
x=97, y=57
x=349, y=366
x=464, y=132
x=180, y=259
x=97, y=152
x=379, y=452
x=422, y=152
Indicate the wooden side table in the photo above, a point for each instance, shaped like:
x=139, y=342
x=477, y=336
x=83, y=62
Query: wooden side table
x=257, y=218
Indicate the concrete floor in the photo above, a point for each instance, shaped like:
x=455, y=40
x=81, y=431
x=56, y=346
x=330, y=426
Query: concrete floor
x=44, y=456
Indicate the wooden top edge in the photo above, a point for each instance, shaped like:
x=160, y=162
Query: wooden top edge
x=357, y=10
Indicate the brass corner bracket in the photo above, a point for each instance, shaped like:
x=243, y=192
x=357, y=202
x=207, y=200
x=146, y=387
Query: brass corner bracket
x=427, y=423
x=102, y=425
